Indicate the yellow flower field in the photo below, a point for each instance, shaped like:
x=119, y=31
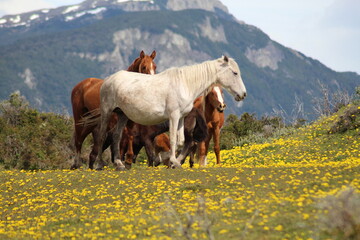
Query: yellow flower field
x=261, y=191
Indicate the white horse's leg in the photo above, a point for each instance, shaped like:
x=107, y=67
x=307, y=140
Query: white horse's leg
x=104, y=121
x=180, y=133
x=121, y=123
x=173, y=128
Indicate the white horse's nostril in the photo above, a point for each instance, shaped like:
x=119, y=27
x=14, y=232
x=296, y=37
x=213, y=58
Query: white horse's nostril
x=239, y=98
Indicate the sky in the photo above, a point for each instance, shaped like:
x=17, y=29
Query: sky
x=326, y=30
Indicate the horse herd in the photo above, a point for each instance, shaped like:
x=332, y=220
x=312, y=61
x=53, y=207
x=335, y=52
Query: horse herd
x=134, y=108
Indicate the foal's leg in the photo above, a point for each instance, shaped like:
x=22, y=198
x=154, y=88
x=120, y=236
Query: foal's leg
x=121, y=123
x=173, y=128
x=216, y=139
x=192, y=154
x=203, y=148
x=188, y=145
x=185, y=150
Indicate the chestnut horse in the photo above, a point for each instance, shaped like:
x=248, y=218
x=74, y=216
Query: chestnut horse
x=85, y=98
x=214, y=107
x=214, y=115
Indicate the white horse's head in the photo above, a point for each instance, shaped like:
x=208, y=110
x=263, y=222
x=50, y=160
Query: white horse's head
x=229, y=76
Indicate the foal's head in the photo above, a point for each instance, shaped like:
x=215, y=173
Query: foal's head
x=144, y=64
x=216, y=99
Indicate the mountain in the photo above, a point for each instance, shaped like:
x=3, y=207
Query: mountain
x=45, y=53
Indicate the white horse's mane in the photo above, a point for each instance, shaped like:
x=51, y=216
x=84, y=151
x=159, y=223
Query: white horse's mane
x=193, y=76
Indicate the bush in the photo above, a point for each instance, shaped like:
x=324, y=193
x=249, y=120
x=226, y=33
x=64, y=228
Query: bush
x=348, y=120
x=33, y=140
x=340, y=214
x=247, y=128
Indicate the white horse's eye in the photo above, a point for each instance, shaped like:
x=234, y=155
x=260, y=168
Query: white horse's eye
x=235, y=73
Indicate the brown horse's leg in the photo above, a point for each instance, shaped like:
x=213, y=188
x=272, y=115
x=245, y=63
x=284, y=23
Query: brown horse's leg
x=149, y=149
x=123, y=144
x=216, y=139
x=130, y=150
x=80, y=134
x=137, y=148
x=201, y=153
x=77, y=144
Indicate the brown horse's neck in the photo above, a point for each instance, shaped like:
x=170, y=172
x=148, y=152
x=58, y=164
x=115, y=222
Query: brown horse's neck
x=134, y=67
x=211, y=102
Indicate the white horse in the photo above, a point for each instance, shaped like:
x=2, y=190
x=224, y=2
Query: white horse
x=152, y=99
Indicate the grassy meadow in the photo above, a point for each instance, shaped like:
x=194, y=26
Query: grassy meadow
x=304, y=185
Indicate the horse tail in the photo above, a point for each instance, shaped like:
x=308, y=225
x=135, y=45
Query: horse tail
x=200, y=131
x=90, y=119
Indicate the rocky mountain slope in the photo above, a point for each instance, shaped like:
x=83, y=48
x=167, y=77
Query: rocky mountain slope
x=45, y=53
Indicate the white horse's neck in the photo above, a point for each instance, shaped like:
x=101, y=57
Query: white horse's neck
x=198, y=78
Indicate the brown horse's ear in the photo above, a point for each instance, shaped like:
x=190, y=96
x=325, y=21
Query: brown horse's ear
x=142, y=54
x=153, y=54
x=226, y=59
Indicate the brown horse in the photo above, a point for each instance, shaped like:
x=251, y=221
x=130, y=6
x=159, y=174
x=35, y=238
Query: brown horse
x=214, y=115
x=214, y=107
x=157, y=143
x=85, y=99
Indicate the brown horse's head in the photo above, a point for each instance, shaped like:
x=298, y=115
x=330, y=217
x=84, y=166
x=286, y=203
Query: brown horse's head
x=144, y=64
x=216, y=99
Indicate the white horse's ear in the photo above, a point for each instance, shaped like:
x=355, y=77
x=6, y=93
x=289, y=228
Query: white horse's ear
x=226, y=59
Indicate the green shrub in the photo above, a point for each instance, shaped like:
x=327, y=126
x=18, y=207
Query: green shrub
x=33, y=140
x=247, y=129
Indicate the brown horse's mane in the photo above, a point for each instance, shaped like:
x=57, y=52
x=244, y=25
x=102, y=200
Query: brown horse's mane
x=134, y=67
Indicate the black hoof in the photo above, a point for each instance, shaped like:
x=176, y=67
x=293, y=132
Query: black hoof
x=74, y=167
x=127, y=166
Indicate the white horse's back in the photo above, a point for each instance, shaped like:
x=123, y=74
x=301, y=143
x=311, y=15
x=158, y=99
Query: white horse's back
x=141, y=97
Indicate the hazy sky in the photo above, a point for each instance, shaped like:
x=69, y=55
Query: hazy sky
x=327, y=30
